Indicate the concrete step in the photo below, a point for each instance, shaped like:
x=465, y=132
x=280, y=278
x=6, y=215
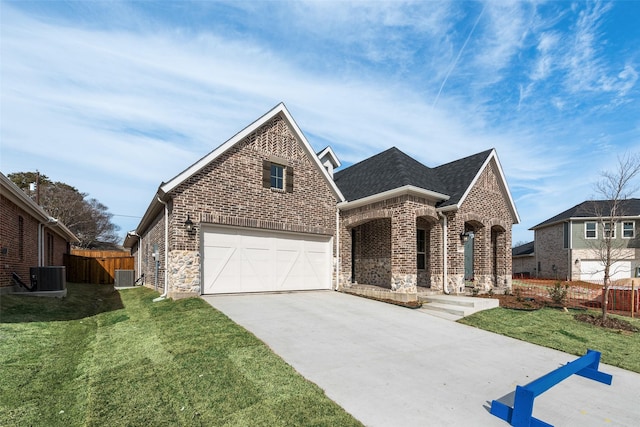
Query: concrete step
x=441, y=314
x=457, y=305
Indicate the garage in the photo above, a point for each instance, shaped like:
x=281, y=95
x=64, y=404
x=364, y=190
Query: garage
x=250, y=260
x=594, y=271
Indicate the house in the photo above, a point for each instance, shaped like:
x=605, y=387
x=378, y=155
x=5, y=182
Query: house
x=567, y=246
x=523, y=260
x=29, y=237
x=264, y=212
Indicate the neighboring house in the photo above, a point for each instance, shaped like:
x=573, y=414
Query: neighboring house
x=523, y=260
x=264, y=212
x=29, y=237
x=567, y=246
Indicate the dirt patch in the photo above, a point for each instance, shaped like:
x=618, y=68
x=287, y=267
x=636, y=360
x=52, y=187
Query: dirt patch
x=516, y=303
x=609, y=322
x=408, y=304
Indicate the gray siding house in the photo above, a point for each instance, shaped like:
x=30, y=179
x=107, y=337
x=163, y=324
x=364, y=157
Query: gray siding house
x=567, y=246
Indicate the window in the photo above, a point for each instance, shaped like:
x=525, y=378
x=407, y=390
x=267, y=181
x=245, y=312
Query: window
x=609, y=230
x=422, y=249
x=21, y=238
x=277, y=176
x=565, y=235
x=628, y=229
x=50, y=249
x=590, y=230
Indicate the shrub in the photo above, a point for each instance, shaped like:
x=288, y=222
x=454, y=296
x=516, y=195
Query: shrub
x=558, y=293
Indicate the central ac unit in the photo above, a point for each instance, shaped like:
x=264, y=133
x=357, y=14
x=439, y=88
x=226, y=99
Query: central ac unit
x=125, y=278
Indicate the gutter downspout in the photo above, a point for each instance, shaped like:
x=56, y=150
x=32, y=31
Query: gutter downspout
x=40, y=245
x=134, y=233
x=444, y=253
x=337, y=248
x=166, y=251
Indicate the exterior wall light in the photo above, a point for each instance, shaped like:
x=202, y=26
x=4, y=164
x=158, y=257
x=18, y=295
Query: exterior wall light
x=189, y=225
x=464, y=237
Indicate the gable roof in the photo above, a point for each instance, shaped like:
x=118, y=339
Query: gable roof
x=592, y=209
x=523, y=250
x=460, y=175
x=281, y=110
x=386, y=171
x=393, y=171
x=12, y=192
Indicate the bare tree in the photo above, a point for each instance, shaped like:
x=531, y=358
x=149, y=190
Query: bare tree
x=615, y=187
x=87, y=218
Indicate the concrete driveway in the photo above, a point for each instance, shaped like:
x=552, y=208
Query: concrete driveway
x=393, y=366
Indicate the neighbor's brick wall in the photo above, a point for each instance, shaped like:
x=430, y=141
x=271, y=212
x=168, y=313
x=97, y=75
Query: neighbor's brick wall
x=549, y=252
x=229, y=191
x=13, y=260
x=10, y=240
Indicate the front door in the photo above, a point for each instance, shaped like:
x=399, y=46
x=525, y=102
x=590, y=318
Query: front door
x=468, y=257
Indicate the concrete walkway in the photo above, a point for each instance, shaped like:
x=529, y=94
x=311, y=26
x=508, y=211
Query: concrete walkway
x=393, y=366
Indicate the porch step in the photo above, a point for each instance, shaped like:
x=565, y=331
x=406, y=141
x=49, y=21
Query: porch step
x=457, y=305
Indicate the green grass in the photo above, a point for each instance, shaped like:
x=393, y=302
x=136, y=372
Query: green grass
x=101, y=357
x=559, y=330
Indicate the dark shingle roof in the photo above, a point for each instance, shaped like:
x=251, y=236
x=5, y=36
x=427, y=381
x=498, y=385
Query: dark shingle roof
x=458, y=175
x=393, y=169
x=383, y=172
x=526, y=249
x=594, y=208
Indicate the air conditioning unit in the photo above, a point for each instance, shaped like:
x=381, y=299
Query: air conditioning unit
x=48, y=278
x=125, y=278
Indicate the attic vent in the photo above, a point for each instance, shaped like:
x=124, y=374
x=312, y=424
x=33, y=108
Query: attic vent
x=124, y=278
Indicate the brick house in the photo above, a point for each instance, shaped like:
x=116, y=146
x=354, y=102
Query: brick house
x=29, y=237
x=567, y=245
x=264, y=212
x=524, y=260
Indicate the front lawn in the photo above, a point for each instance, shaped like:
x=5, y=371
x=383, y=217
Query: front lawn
x=558, y=329
x=102, y=357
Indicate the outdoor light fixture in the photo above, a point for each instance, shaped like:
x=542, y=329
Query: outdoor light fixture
x=188, y=225
x=464, y=237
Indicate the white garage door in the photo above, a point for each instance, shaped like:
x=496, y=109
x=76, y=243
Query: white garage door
x=249, y=260
x=594, y=271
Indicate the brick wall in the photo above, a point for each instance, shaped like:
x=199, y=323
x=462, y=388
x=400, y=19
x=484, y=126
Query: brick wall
x=19, y=243
x=230, y=191
x=487, y=213
x=373, y=252
x=549, y=251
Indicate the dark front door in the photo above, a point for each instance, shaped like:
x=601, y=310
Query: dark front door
x=468, y=258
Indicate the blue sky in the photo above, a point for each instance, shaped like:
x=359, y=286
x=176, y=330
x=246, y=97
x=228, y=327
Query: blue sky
x=116, y=97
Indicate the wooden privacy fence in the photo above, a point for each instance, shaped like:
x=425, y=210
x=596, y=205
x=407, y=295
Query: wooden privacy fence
x=84, y=269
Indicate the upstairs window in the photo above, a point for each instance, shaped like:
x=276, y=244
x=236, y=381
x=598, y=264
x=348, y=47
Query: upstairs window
x=590, y=230
x=628, y=230
x=277, y=176
x=609, y=230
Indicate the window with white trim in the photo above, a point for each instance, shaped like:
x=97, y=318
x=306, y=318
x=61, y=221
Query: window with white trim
x=609, y=230
x=628, y=229
x=590, y=230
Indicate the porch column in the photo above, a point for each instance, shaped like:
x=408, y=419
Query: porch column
x=484, y=259
x=404, y=271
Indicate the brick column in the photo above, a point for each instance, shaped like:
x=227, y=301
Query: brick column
x=403, y=251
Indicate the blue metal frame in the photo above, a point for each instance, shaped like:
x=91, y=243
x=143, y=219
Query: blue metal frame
x=521, y=413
